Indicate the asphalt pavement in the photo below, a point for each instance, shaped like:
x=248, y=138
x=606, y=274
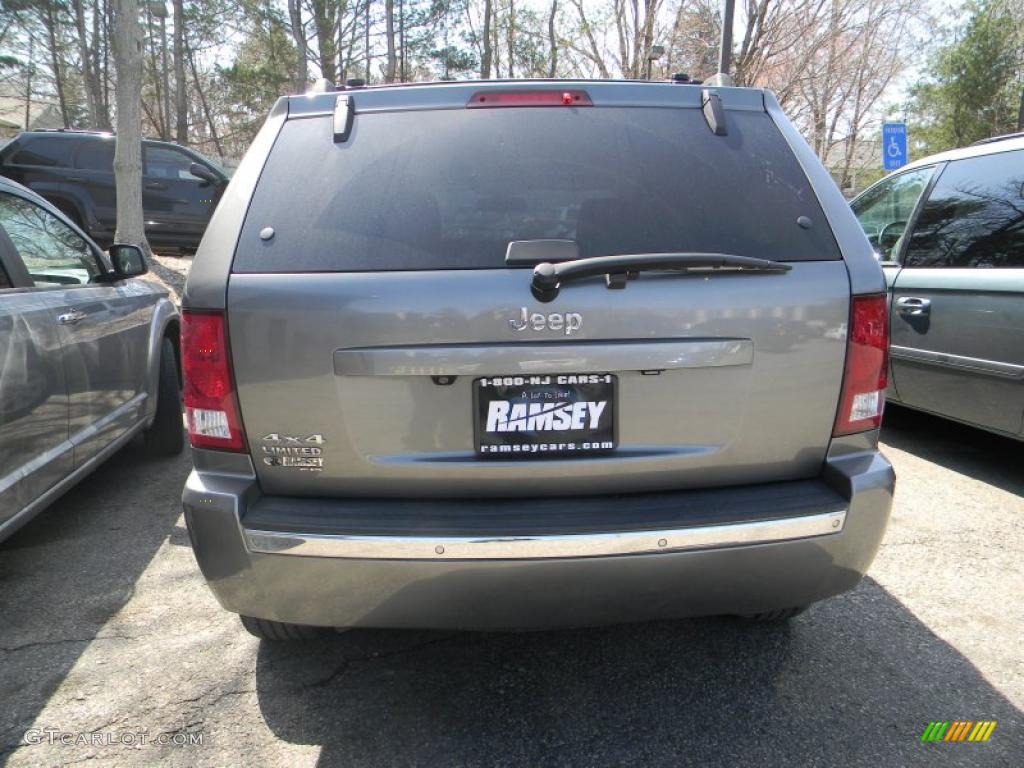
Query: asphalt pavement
x=113, y=651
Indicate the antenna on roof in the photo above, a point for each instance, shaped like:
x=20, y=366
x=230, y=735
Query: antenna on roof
x=722, y=77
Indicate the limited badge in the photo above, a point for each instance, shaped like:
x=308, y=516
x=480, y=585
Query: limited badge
x=293, y=452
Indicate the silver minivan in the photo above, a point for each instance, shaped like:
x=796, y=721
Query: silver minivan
x=949, y=233
x=532, y=354
x=88, y=356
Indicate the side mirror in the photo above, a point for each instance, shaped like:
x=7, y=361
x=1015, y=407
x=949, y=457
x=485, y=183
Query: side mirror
x=203, y=172
x=128, y=261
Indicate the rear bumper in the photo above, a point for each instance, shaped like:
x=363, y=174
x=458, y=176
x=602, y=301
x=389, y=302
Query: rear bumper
x=795, y=549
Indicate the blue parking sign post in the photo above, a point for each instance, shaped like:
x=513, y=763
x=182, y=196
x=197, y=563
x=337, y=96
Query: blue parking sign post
x=894, y=145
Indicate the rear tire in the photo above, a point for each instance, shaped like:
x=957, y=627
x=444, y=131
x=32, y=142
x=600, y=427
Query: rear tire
x=276, y=631
x=779, y=615
x=166, y=435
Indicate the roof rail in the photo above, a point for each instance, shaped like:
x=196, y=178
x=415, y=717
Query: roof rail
x=69, y=130
x=993, y=139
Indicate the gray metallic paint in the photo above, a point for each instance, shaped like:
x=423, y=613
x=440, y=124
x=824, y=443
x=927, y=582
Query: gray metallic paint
x=296, y=323
x=865, y=274
x=35, y=450
x=456, y=95
x=389, y=435
x=104, y=374
x=206, y=287
x=501, y=594
x=965, y=359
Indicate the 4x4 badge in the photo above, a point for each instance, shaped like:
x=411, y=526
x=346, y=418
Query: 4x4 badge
x=277, y=437
x=569, y=322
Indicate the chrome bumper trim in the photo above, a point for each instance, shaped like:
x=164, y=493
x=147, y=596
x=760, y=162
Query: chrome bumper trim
x=542, y=547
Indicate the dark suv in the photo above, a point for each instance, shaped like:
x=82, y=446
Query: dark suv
x=74, y=170
x=554, y=353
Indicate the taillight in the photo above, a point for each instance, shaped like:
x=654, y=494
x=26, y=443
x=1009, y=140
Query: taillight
x=867, y=364
x=210, y=404
x=539, y=98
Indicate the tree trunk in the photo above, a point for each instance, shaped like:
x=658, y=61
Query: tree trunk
x=160, y=120
x=180, y=100
x=401, y=41
x=301, y=75
x=510, y=36
x=50, y=23
x=28, y=83
x=552, y=40
x=92, y=94
x=165, y=77
x=325, y=14
x=366, y=31
x=104, y=27
x=128, y=148
x=389, y=32
x=485, y=59
x=202, y=100
x=595, y=52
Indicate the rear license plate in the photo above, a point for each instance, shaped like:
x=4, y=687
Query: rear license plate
x=544, y=415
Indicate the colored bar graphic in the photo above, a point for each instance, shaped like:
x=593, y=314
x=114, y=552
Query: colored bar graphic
x=958, y=730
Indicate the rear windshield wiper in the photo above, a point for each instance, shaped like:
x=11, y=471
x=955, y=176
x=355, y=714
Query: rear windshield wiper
x=548, y=278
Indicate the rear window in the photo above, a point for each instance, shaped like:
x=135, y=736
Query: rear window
x=51, y=151
x=450, y=189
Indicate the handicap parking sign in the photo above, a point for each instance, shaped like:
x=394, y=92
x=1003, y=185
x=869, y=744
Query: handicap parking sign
x=894, y=145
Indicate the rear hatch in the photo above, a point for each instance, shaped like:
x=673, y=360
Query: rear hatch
x=383, y=347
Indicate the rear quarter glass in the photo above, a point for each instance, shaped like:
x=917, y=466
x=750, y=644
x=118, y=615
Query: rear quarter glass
x=448, y=189
x=52, y=151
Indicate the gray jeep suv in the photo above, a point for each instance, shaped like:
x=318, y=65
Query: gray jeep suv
x=531, y=354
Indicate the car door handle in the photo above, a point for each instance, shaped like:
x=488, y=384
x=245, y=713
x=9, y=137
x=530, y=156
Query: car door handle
x=911, y=306
x=76, y=179
x=72, y=317
x=155, y=185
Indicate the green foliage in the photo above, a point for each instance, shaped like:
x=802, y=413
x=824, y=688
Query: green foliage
x=453, y=61
x=260, y=73
x=972, y=90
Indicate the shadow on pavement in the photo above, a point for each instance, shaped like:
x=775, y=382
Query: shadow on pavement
x=71, y=569
x=982, y=455
x=852, y=682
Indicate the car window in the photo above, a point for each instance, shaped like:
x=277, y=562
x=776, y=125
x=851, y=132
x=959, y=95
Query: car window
x=53, y=253
x=52, y=151
x=884, y=210
x=96, y=155
x=974, y=216
x=443, y=189
x=5, y=281
x=167, y=163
